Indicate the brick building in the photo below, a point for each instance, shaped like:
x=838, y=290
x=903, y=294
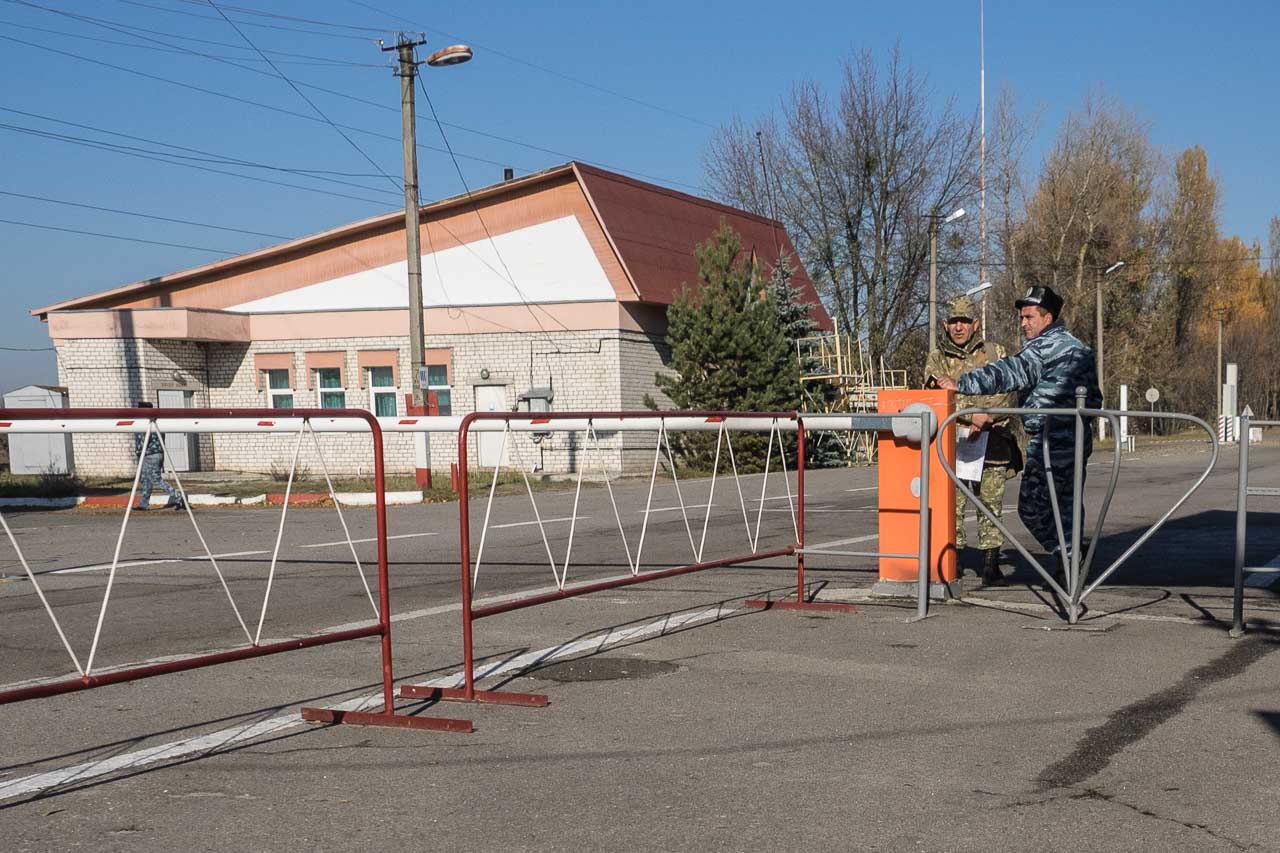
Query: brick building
x=558, y=280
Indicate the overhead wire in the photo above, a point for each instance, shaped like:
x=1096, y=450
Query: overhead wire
x=155, y=217
x=143, y=5
x=476, y=209
x=163, y=157
x=521, y=61
x=117, y=237
x=133, y=29
x=236, y=62
x=304, y=97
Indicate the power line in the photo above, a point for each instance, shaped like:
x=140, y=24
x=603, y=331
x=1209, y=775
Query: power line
x=237, y=99
x=132, y=30
x=563, y=76
x=476, y=208
x=143, y=215
x=160, y=157
x=246, y=23
x=264, y=14
x=234, y=61
x=304, y=97
x=117, y=237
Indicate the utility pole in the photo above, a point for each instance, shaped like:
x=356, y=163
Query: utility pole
x=982, y=150
x=1102, y=385
x=1222, y=314
x=933, y=284
x=413, y=249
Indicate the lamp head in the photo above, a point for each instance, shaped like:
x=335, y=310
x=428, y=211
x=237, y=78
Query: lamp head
x=454, y=54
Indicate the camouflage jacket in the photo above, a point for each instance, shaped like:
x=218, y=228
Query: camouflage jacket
x=951, y=359
x=1045, y=374
x=153, y=444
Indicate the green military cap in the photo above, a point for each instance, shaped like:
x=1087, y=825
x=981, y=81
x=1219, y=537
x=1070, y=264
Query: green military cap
x=961, y=307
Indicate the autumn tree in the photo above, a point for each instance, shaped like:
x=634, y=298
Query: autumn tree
x=855, y=178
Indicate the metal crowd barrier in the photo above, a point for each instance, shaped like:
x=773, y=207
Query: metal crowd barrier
x=147, y=422
x=1243, y=492
x=1077, y=585
x=663, y=423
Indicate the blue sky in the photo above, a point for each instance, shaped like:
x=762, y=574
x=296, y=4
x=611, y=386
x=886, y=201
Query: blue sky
x=1199, y=73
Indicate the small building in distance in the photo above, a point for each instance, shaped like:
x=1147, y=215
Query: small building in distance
x=557, y=280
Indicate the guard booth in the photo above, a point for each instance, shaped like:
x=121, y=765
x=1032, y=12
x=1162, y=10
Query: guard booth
x=39, y=454
x=899, y=491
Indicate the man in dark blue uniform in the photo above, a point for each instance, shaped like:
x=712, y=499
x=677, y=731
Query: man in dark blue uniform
x=1045, y=374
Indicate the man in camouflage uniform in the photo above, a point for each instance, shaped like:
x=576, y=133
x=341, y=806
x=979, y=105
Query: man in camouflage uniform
x=152, y=465
x=962, y=349
x=1045, y=375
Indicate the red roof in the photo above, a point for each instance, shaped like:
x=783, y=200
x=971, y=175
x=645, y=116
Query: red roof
x=654, y=231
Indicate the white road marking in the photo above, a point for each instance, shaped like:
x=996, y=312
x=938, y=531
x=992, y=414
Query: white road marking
x=99, y=567
x=864, y=489
x=837, y=542
x=80, y=773
x=370, y=539
x=544, y=521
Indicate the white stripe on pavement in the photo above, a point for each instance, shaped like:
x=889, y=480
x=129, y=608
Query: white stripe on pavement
x=80, y=773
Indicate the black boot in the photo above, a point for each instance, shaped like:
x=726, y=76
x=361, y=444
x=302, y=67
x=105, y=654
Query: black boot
x=991, y=574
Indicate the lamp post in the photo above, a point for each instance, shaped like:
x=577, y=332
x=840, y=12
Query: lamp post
x=1222, y=316
x=934, y=220
x=455, y=54
x=1102, y=387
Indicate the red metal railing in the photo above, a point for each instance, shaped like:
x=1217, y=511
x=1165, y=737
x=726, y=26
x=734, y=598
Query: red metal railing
x=470, y=613
x=135, y=420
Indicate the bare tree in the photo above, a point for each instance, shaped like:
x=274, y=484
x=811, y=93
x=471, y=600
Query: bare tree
x=855, y=181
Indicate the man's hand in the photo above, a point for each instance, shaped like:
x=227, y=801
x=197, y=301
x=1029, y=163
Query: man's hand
x=979, y=421
x=946, y=383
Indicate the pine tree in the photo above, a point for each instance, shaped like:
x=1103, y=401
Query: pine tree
x=728, y=348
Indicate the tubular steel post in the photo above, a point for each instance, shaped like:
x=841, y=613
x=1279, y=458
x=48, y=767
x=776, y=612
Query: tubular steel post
x=1242, y=522
x=800, y=592
x=922, y=593
x=464, y=533
x=1074, y=584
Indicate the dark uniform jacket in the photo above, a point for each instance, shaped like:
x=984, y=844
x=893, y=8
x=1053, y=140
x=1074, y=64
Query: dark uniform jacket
x=952, y=359
x=1045, y=375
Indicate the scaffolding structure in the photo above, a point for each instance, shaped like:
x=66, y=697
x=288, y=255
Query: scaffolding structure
x=838, y=377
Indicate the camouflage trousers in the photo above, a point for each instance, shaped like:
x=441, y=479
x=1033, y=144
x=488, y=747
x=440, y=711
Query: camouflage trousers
x=990, y=491
x=150, y=477
x=1034, y=504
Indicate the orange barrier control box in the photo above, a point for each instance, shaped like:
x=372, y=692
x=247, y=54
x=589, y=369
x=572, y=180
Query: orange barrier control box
x=899, y=463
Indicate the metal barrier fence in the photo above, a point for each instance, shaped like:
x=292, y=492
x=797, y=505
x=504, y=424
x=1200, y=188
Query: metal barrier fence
x=661, y=423
x=148, y=422
x=1243, y=492
x=1077, y=570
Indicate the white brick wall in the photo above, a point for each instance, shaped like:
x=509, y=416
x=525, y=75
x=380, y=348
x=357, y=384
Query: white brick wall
x=595, y=370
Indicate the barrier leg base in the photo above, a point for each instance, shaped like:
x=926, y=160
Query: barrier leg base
x=788, y=604
x=484, y=697
x=393, y=721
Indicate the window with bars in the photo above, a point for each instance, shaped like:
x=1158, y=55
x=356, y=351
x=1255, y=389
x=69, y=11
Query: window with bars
x=383, y=388
x=279, y=394
x=332, y=394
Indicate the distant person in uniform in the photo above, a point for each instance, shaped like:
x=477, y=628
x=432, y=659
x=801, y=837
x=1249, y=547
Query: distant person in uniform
x=152, y=468
x=1045, y=374
x=962, y=349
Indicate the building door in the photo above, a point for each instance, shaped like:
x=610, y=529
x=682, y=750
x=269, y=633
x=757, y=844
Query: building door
x=491, y=398
x=179, y=445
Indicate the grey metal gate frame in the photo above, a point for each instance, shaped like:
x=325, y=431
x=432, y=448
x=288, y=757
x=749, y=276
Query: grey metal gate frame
x=1243, y=492
x=1077, y=571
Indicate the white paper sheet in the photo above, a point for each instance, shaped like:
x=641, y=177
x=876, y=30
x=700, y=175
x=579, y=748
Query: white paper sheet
x=970, y=454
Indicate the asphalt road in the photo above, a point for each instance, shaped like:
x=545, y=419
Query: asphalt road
x=678, y=718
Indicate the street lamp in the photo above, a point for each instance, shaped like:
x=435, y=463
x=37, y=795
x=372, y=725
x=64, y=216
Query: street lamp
x=986, y=285
x=454, y=54
x=1098, y=326
x=934, y=219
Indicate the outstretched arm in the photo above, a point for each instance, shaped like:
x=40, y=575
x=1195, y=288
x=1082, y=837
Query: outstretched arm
x=1017, y=372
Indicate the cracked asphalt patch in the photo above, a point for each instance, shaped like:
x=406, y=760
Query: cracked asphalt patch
x=1132, y=723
